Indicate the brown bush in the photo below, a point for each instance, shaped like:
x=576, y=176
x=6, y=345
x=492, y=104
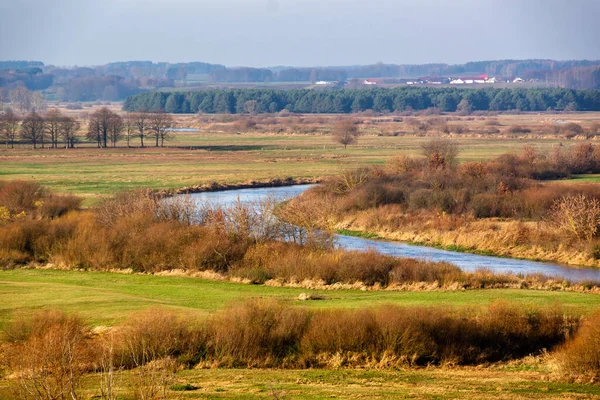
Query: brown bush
x=48, y=355
x=578, y=216
x=518, y=129
x=571, y=130
x=20, y=196
x=424, y=336
x=157, y=334
x=257, y=333
x=243, y=125
x=54, y=206
x=579, y=358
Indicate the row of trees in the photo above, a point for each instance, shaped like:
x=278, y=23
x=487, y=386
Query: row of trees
x=105, y=127
x=52, y=129
x=235, y=101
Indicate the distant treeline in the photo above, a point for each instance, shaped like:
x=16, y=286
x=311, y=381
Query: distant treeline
x=580, y=74
x=115, y=81
x=237, y=101
x=244, y=74
x=20, y=64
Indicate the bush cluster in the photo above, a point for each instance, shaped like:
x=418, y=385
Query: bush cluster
x=266, y=333
x=507, y=186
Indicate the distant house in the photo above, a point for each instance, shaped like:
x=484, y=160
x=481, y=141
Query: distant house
x=369, y=82
x=518, y=80
x=469, y=80
x=324, y=83
x=490, y=80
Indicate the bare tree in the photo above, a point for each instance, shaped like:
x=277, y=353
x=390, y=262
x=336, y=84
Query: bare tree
x=53, y=119
x=115, y=130
x=129, y=127
x=9, y=127
x=160, y=124
x=37, y=102
x=345, y=132
x=100, y=126
x=141, y=120
x=21, y=98
x=67, y=130
x=251, y=107
x=48, y=361
x=440, y=152
x=33, y=129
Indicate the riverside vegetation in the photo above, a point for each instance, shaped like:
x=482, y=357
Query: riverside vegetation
x=516, y=204
x=144, y=232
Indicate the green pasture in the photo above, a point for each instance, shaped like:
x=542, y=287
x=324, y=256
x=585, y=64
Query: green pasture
x=105, y=298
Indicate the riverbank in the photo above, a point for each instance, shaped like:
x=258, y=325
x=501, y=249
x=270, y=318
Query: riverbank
x=491, y=237
x=224, y=186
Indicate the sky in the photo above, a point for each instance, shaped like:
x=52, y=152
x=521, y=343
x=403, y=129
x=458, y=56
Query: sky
x=262, y=33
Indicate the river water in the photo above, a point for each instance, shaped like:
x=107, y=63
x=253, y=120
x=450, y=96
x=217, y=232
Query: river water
x=465, y=261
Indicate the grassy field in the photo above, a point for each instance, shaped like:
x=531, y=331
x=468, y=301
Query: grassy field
x=296, y=146
x=220, y=157
x=108, y=298
x=104, y=298
x=524, y=380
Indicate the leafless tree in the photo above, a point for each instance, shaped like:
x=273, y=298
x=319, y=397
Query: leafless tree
x=251, y=107
x=21, y=98
x=67, y=130
x=141, y=120
x=440, y=152
x=53, y=119
x=48, y=364
x=115, y=130
x=160, y=124
x=37, y=102
x=129, y=127
x=9, y=127
x=100, y=126
x=33, y=129
x=345, y=132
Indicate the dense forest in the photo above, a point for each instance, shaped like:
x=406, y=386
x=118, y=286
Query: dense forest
x=236, y=101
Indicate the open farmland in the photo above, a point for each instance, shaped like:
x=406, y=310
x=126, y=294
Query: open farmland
x=227, y=150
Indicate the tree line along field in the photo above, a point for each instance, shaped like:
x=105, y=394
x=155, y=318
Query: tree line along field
x=235, y=149
x=345, y=101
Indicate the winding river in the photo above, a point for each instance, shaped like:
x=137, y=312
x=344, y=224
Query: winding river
x=465, y=261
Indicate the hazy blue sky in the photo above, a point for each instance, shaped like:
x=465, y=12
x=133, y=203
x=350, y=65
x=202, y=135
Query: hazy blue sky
x=297, y=32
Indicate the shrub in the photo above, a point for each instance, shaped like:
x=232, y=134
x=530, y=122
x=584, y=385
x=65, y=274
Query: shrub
x=257, y=333
x=580, y=357
x=47, y=353
x=518, y=129
x=157, y=334
x=578, y=216
x=20, y=196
